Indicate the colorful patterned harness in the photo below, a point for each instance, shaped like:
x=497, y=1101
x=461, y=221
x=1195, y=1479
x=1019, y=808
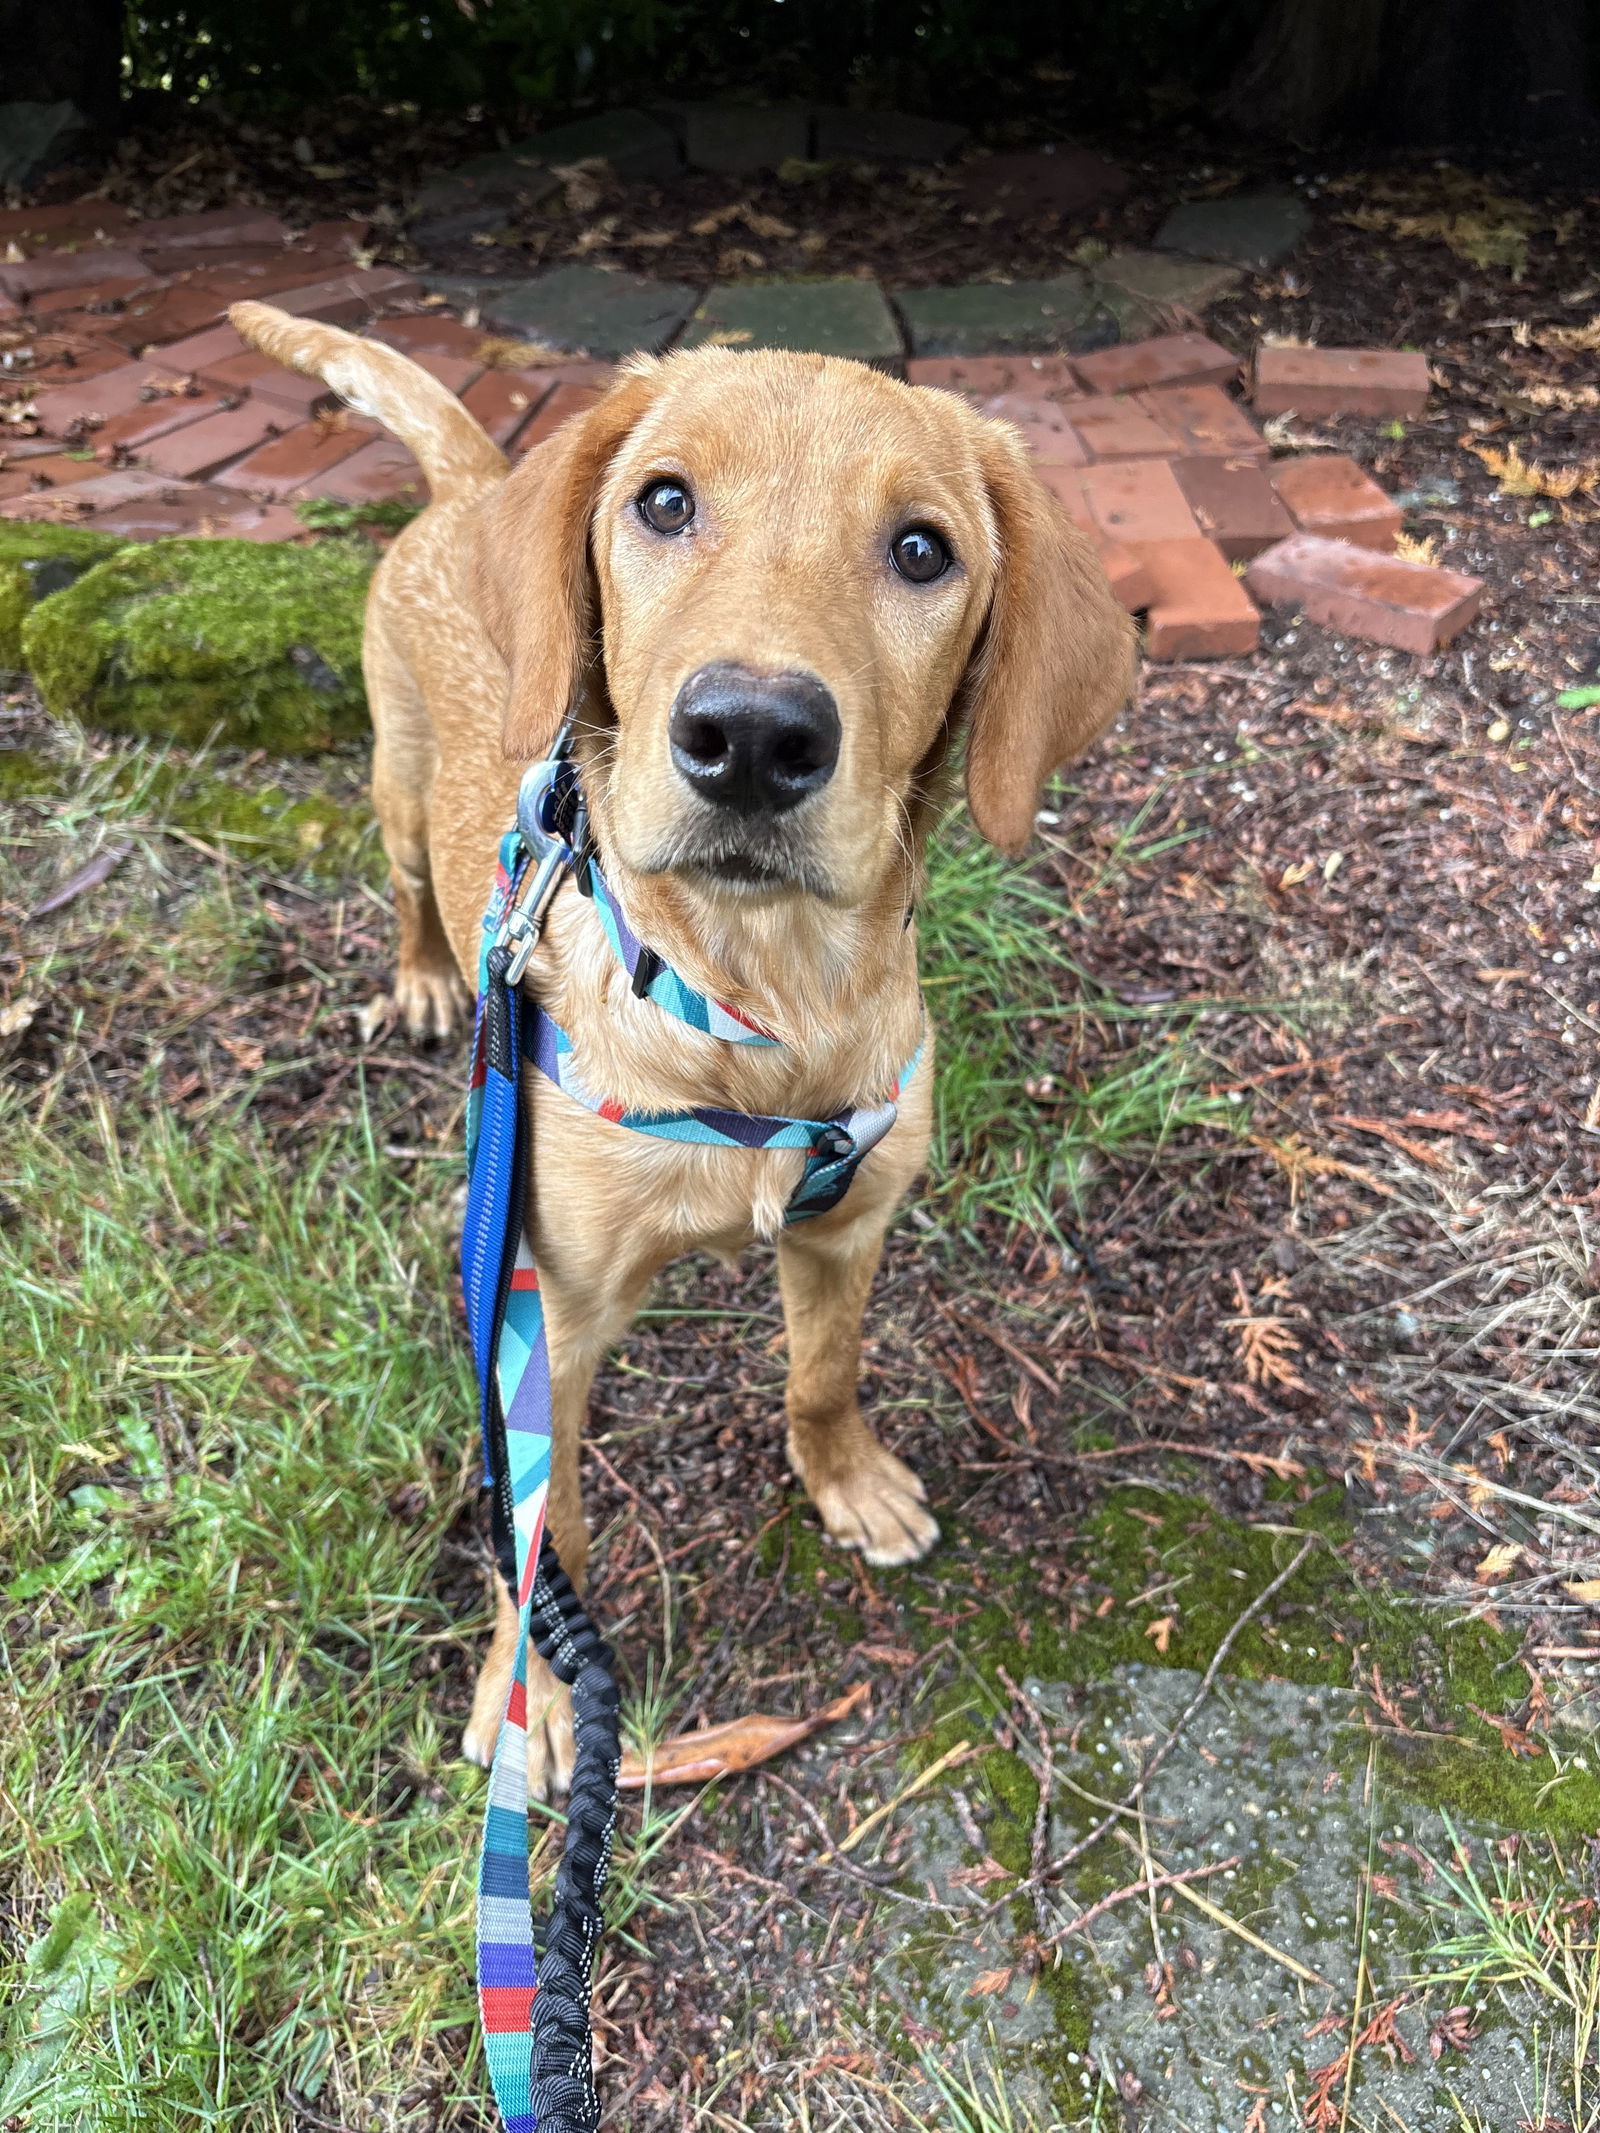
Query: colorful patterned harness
x=534, y=1980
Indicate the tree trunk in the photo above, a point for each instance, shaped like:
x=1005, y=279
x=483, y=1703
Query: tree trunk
x=63, y=51
x=1463, y=74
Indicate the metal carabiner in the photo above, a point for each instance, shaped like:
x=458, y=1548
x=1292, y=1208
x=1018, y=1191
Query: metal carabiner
x=547, y=792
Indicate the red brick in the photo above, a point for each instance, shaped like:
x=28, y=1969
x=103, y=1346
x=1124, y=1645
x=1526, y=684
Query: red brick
x=565, y=401
x=66, y=222
x=1139, y=501
x=378, y=473
x=198, y=508
x=215, y=442
x=76, y=363
x=454, y=372
x=1331, y=495
x=139, y=428
x=504, y=400
x=54, y=472
x=348, y=299
x=1205, y=422
x=1234, y=504
x=1129, y=574
x=291, y=463
x=1197, y=607
x=1120, y=429
x=259, y=273
x=213, y=226
x=290, y=394
x=70, y=270
x=1169, y=359
x=1065, y=484
x=214, y=345
x=346, y=235
x=85, y=499
x=168, y=315
x=981, y=377
x=113, y=392
x=1341, y=381
x=110, y=295
x=429, y=333
x=1044, y=426
x=1412, y=606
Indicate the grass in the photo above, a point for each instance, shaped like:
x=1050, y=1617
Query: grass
x=976, y=2103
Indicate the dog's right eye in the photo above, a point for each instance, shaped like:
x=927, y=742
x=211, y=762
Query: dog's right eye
x=667, y=506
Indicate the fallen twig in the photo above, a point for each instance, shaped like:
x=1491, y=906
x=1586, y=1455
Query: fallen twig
x=924, y=1778
x=1147, y=1882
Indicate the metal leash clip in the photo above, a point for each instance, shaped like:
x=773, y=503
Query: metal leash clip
x=550, y=821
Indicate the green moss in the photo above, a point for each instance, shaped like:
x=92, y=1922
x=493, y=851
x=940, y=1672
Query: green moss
x=24, y=773
x=35, y=562
x=257, y=643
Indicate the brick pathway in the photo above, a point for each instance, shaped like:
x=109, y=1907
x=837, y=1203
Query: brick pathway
x=153, y=417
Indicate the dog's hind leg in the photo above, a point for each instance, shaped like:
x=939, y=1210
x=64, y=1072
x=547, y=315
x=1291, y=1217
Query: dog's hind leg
x=429, y=992
x=867, y=1498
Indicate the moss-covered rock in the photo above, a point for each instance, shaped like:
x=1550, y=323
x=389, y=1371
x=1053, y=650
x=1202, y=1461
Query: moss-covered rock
x=259, y=645
x=35, y=561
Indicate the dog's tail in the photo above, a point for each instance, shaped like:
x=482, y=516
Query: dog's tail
x=452, y=449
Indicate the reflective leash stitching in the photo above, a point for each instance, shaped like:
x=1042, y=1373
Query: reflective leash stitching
x=534, y=1984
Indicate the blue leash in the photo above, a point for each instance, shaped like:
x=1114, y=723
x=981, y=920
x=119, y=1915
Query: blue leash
x=535, y=1979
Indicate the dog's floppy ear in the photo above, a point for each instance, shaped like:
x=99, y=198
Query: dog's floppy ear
x=535, y=582
x=1054, y=661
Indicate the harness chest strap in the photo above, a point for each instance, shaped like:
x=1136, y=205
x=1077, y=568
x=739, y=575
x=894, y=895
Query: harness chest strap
x=533, y=1986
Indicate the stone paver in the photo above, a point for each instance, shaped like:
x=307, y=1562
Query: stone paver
x=985, y=318
x=349, y=299
x=1065, y=484
x=1167, y=359
x=453, y=372
x=476, y=193
x=214, y=226
x=169, y=314
x=837, y=318
x=505, y=401
x=1234, y=504
x=428, y=333
x=64, y=222
x=1140, y=288
x=1412, y=606
x=99, y=299
x=286, y=465
x=200, y=508
x=70, y=270
x=1204, y=421
x=1044, y=424
x=981, y=377
x=215, y=344
x=141, y=426
x=883, y=137
x=1329, y=494
x=736, y=138
x=58, y=471
x=378, y=473
x=288, y=395
x=565, y=402
x=86, y=499
x=580, y=308
x=1341, y=381
x=1250, y=230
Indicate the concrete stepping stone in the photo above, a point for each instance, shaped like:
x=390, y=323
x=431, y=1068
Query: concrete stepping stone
x=1249, y=230
x=989, y=318
x=1060, y=180
x=1140, y=288
x=584, y=309
x=883, y=137
x=475, y=194
x=739, y=138
x=836, y=318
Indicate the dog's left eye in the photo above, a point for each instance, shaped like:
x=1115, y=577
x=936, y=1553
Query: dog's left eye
x=918, y=554
x=667, y=506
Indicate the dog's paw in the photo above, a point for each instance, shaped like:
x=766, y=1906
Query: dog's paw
x=429, y=1003
x=877, y=1505
x=550, y=1737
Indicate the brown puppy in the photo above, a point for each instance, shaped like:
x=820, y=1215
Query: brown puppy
x=773, y=587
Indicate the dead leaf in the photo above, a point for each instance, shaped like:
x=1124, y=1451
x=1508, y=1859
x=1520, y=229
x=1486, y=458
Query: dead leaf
x=1512, y=1737
x=1160, y=1633
x=1585, y=1589
x=89, y=876
x=245, y=1053
x=497, y=352
x=1500, y=1558
x=584, y=184
x=975, y=1877
x=723, y=1751
x=1415, y=551
x=988, y=1984
x=1456, y=2028
x=17, y=1015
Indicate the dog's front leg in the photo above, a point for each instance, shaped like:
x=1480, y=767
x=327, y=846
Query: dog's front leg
x=868, y=1499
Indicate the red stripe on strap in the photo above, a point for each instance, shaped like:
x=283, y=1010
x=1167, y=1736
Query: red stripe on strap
x=525, y=1277
x=613, y=1111
x=517, y=1705
x=506, y=2008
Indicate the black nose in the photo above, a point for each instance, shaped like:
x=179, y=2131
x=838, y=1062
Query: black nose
x=755, y=742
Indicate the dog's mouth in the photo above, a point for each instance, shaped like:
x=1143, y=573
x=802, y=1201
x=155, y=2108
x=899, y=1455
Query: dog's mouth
x=756, y=860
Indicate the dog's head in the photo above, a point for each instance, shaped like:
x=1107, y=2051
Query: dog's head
x=777, y=584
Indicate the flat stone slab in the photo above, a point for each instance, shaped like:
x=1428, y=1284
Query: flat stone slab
x=32, y=136
x=1250, y=230
x=1140, y=289
x=736, y=137
x=632, y=142
x=836, y=318
x=583, y=309
x=884, y=137
x=1003, y=318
